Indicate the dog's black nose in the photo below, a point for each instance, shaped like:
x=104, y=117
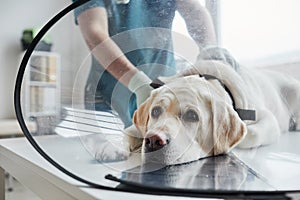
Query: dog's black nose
x=155, y=142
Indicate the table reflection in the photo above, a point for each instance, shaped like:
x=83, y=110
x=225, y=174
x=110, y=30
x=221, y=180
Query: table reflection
x=225, y=172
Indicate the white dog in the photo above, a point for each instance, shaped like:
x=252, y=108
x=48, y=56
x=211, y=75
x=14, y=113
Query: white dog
x=208, y=110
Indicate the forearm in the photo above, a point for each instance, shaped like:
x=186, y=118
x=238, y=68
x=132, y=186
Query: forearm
x=114, y=61
x=111, y=57
x=94, y=28
x=198, y=21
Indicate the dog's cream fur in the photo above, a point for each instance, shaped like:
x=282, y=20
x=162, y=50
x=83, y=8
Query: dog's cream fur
x=216, y=127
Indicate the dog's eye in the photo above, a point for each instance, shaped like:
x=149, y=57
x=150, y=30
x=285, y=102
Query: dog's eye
x=190, y=116
x=156, y=112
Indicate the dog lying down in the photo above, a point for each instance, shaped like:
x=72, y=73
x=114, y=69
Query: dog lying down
x=208, y=110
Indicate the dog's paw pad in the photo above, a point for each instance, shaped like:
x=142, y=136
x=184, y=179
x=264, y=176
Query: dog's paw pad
x=108, y=152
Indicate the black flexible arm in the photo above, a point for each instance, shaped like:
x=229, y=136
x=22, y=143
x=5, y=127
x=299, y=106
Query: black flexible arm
x=17, y=92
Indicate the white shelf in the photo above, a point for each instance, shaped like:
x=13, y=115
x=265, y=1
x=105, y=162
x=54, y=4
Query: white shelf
x=42, y=84
x=42, y=93
x=42, y=114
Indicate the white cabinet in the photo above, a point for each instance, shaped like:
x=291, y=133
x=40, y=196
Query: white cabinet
x=42, y=88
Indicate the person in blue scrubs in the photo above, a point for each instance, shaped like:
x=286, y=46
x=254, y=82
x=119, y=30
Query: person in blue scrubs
x=119, y=77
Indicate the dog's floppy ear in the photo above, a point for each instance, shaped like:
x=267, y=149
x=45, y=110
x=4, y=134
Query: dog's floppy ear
x=228, y=128
x=141, y=116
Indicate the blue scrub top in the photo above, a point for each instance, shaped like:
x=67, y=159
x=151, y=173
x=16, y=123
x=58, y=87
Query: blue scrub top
x=122, y=18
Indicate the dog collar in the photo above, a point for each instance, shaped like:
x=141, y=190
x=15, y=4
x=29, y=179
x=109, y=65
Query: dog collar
x=244, y=114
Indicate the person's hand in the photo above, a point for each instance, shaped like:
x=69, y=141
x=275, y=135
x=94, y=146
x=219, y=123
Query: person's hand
x=140, y=85
x=213, y=52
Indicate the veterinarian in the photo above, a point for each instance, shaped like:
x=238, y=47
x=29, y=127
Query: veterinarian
x=98, y=20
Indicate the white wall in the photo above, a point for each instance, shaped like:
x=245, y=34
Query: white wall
x=254, y=29
x=17, y=15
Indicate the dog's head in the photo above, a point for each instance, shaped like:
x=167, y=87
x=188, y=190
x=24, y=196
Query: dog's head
x=186, y=119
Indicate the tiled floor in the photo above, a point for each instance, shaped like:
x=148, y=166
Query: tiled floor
x=19, y=192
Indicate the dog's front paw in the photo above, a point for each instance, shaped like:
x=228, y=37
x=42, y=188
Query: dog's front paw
x=106, y=148
x=109, y=152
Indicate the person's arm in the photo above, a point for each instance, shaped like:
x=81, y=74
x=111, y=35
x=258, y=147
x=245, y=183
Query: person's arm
x=198, y=21
x=93, y=24
x=200, y=27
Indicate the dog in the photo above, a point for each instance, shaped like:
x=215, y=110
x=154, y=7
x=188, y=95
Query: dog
x=204, y=111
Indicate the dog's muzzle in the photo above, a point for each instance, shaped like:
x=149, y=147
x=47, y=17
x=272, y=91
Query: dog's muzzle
x=155, y=142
